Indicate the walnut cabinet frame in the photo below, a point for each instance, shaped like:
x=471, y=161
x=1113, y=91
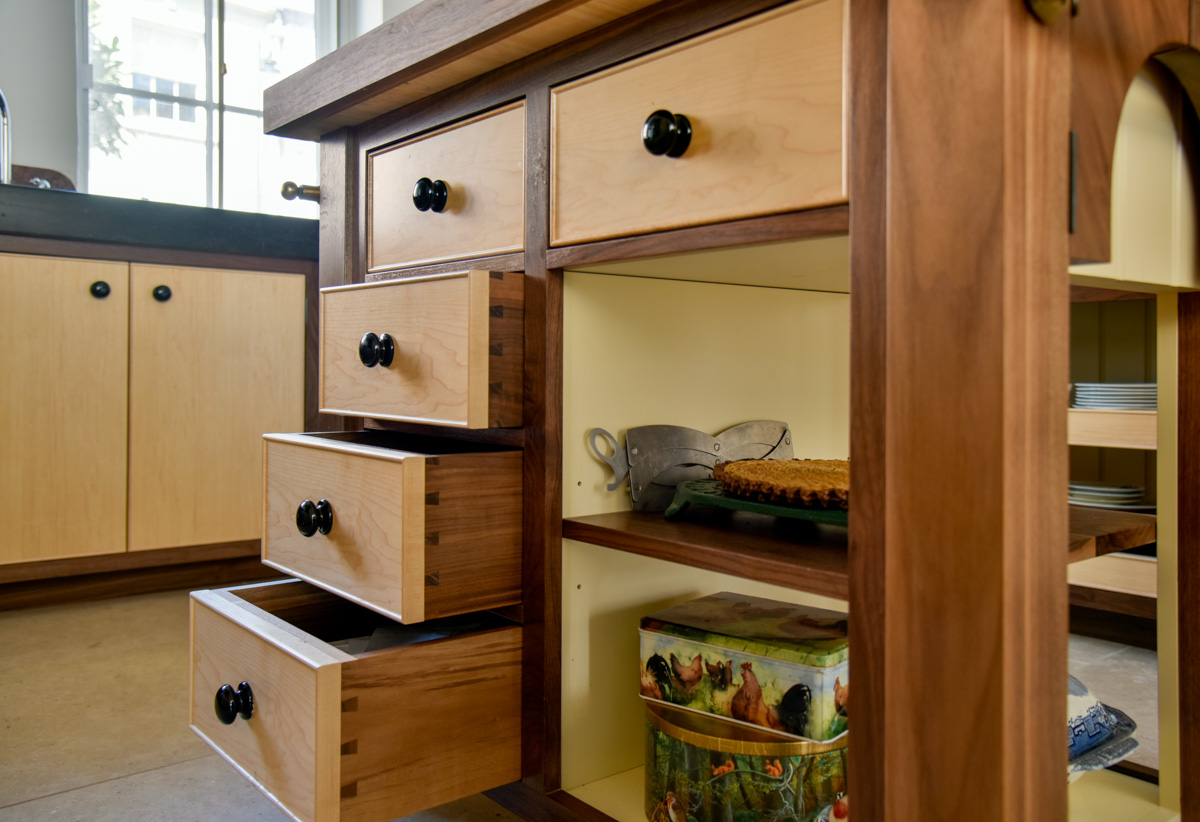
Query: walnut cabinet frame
x=959, y=227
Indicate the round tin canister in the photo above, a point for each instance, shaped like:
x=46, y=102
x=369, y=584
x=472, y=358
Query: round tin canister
x=702, y=768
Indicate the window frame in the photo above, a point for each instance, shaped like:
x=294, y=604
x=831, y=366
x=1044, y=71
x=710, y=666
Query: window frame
x=213, y=103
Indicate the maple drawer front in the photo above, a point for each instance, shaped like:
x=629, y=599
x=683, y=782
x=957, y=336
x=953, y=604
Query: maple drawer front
x=338, y=732
x=454, y=353
x=481, y=162
x=764, y=98
x=412, y=528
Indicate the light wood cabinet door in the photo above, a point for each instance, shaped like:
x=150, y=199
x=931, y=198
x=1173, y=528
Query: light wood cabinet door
x=211, y=369
x=62, y=417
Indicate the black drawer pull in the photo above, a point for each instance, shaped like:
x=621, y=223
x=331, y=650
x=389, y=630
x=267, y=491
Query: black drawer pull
x=100, y=289
x=230, y=704
x=666, y=133
x=376, y=350
x=312, y=518
x=161, y=293
x=431, y=195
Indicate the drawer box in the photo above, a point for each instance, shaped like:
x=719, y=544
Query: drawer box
x=481, y=161
x=369, y=736
x=420, y=528
x=765, y=101
x=458, y=350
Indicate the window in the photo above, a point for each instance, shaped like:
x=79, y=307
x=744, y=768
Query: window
x=173, y=90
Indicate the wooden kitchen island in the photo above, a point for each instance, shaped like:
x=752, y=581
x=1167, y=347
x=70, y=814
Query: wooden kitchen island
x=856, y=216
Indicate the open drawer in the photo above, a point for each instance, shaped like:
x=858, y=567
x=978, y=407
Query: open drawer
x=412, y=527
x=332, y=732
x=444, y=349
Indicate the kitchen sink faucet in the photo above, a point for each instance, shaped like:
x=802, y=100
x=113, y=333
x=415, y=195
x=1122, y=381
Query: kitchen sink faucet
x=5, y=143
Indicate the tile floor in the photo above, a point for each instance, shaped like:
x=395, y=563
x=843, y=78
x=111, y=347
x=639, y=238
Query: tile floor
x=93, y=718
x=93, y=722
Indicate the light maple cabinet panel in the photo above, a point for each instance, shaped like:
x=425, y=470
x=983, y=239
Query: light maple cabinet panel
x=62, y=418
x=211, y=370
x=481, y=161
x=765, y=102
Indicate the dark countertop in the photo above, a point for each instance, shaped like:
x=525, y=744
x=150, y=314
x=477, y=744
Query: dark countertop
x=70, y=215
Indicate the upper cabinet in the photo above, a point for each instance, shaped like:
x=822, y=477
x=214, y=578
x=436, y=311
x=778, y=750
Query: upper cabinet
x=746, y=121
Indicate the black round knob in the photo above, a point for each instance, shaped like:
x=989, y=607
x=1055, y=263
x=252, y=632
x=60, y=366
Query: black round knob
x=306, y=518
x=666, y=133
x=431, y=195
x=324, y=516
x=368, y=350
x=229, y=704
x=100, y=289
x=387, y=350
x=161, y=293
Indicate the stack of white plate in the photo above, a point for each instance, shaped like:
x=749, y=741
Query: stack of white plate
x=1108, y=495
x=1137, y=396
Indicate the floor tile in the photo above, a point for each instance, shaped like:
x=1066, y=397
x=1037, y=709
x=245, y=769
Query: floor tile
x=93, y=691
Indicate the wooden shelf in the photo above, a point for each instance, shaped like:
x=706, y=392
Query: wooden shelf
x=798, y=554
x=1113, y=429
x=1102, y=796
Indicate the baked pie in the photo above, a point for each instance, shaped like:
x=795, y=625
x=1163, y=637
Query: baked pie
x=811, y=483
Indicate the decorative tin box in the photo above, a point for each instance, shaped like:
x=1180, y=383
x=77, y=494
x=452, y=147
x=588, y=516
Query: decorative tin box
x=780, y=667
x=710, y=770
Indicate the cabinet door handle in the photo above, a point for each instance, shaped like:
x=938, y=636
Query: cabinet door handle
x=376, y=350
x=100, y=289
x=666, y=133
x=312, y=518
x=161, y=293
x=431, y=195
x=291, y=191
x=230, y=704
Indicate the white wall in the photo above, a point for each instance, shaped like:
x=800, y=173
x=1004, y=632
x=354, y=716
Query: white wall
x=37, y=74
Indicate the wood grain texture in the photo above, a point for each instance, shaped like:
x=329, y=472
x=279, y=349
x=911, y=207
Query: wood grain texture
x=505, y=359
x=117, y=563
x=1091, y=294
x=1119, y=573
x=818, y=222
x=1115, y=602
x=440, y=325
x=747, y=157
x=799, y=555
x=472, y=536
x=223, y=361
x=430, y=723
x=500, y=262
x=284, y=748
x=1189, y=551
x=374, y=554
x=422, y=51
x=165, y=575
x=482, y=163
x=959, y=290
x=1113, y=429
x=62, y=422
x=1110, y=41
x=1095, y=531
